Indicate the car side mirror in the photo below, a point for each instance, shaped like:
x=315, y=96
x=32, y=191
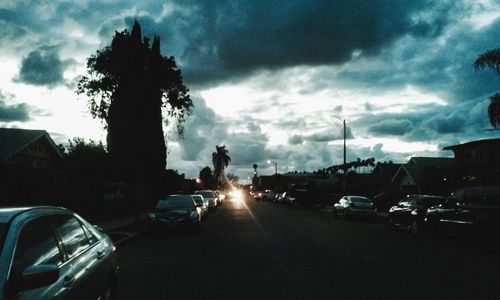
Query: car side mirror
x=34, y=277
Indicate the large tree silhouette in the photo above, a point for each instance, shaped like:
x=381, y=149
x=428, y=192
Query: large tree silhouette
x=220, y=160
x=491, y=59
x=130, y=85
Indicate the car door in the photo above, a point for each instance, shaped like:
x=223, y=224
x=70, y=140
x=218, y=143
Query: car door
x=82, y=271
x=37, y=245
x=398, y=211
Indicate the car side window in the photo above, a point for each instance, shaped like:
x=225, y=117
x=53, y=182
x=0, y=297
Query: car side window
x=92, y=238
x=472, y=196
x=36, y=245
x=73, y=236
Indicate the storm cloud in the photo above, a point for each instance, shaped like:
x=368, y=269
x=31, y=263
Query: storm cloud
x=42, y=67
x=15, y=112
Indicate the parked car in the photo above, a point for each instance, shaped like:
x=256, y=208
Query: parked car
x=476, y=209
x=176, y=212
x=258, y=195
x=350, y=206
x=213, y=201
x=285, y=197
x=203, y=204
x=268, y=195
x=51, y=252
x=410, y=211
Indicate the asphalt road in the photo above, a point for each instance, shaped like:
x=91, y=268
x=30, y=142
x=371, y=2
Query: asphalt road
x=264, y=250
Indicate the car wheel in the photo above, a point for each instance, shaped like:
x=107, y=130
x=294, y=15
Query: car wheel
x=391, y=223
x=415, y=227
x=109, y=292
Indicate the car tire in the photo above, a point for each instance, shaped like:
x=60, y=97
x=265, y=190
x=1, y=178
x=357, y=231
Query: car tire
x=109, y=292
x=415, y=227
x=392, y=224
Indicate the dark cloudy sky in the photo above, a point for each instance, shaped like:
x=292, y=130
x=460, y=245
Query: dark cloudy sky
x=270, y=79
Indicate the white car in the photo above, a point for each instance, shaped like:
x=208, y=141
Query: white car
x=349, y=206
x=209, y=195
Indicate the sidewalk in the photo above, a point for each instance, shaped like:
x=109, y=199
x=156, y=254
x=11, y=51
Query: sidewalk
x=114, y=224
x=120, y=229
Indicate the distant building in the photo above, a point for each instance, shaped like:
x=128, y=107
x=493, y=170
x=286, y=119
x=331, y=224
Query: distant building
x=478, y=161
x=423, y=175
x=29, y=166
x=28, y=148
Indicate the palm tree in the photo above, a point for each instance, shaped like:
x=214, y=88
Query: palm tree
x=220, y=159
x=491, y=59
x=494, y=110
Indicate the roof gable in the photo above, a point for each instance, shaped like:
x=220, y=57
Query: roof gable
x=415, y=167
x=14, y=140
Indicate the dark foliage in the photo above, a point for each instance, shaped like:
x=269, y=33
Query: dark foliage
x=491, y=59
x=129, y=85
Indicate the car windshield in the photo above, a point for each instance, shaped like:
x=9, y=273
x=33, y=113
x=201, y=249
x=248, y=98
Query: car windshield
x=206, y=194
x=432, y=201
x=175, y=202
x=198, y=199
x=360, y=200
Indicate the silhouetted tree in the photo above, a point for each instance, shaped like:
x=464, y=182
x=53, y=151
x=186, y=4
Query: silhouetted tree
x=129, y=84
x=220, y=160
x=206, y=178
x=491, y=59
x=232, y=177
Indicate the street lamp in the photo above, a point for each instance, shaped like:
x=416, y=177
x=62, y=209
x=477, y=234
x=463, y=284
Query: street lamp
x=275, y=166
x=345, y=131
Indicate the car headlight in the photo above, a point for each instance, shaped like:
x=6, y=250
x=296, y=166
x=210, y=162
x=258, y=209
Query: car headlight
x=152, y=216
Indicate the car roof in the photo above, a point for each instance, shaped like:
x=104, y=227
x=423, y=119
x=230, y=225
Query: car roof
x=8, y=213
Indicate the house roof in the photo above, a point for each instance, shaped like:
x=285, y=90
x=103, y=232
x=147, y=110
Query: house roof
x=473, y=143
x=387, y=168
x=416, y=166
x=13, y=140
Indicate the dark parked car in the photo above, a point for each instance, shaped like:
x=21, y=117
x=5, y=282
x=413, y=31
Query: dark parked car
x=354, y=206
x=176, y=212
x=51, y=252
x=410, y=211
x=476, y=209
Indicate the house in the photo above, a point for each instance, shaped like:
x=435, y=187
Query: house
x=480, y=153
x=28, y=148
x=423, y=175
x=479, y=160
x=29, y=167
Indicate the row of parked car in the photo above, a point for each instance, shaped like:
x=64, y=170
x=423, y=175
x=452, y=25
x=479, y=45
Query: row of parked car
x=473, y=209
x=53, y=253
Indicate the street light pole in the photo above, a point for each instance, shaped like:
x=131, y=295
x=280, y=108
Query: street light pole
x=344, y=167
x=275, y=166
x=345, y=131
